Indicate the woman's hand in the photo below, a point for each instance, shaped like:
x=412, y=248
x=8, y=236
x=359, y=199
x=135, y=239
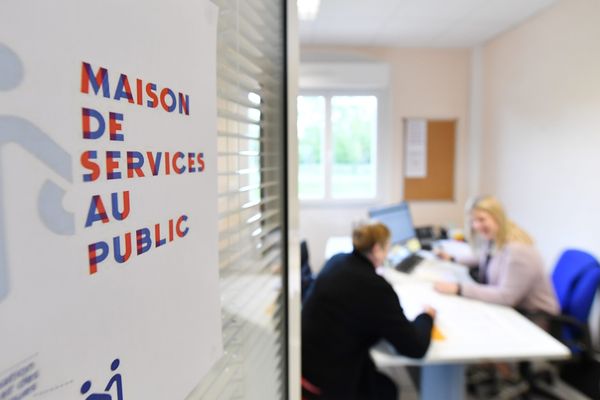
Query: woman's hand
x=430, y=310
x=441, y=254
x=446, y=287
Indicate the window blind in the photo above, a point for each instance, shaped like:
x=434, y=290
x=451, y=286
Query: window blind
x=251, y=156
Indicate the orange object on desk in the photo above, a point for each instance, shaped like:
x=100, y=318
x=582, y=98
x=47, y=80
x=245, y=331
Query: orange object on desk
x=436, y=334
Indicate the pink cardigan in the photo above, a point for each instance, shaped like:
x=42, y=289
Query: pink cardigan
x=516, y=277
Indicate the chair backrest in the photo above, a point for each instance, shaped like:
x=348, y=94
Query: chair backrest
x=576, y=278
x=307, y=277
x=303, y=252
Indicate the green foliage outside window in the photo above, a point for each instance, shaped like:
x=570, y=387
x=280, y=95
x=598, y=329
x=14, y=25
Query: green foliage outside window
x=353, y=120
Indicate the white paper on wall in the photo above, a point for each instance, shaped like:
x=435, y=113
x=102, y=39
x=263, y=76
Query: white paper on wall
x=415, y=150
x=108, y=199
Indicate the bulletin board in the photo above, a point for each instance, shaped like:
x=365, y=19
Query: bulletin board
x=437, y=182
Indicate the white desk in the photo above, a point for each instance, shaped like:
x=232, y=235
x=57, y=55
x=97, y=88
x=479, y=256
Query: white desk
x=474, y=331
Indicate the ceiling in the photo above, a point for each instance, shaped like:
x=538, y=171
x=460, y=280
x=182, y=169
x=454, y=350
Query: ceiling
x=415, y=23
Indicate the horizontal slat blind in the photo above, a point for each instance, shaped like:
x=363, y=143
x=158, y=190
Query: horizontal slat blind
x=250, y=87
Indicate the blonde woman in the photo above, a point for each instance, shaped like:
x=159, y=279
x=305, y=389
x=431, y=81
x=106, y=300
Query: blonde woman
x=511, y=271
x=347, y=310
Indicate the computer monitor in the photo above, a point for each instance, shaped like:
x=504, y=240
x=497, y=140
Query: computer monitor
x=398, y=220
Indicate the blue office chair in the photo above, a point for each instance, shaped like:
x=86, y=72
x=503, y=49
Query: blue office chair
x=576, y=278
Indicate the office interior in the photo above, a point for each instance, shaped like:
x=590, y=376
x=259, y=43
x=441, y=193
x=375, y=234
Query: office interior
x=523, y=99
x=526, y=133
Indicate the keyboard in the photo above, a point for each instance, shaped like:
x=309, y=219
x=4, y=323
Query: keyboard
x=408, y=264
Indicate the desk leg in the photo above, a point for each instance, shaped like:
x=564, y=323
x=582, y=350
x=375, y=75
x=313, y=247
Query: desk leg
x=445, y=381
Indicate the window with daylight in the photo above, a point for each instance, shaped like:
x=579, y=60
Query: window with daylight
x=337, y=145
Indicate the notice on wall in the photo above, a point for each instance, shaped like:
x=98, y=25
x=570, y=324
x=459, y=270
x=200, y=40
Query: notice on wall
x=415, y=148
x=108, y=199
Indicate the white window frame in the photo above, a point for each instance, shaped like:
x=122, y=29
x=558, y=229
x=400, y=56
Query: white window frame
x=328, y=199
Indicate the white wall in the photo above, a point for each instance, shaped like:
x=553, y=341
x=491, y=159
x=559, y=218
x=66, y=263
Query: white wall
x=541, y=119
x=431, y=83
x=475, y=122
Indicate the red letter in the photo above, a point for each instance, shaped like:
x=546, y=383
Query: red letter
x=121, y=258
x=86, y=163
x=86, y=113
x=120, y=216
x=138, y=91
x=151, y=92
x=200, y=162
x=100, y=80
x=170, y=230
x=157, y=240
x=178, y=155
x=191, y=167
x=94, y=257
x=96, y=212
x=143, y=239
x=167, y=163
x=112, y=163
x=135, y=166
x=123, y=89
x=184, y=104
x=181, y=233
x=114, y=126
x=154, y=162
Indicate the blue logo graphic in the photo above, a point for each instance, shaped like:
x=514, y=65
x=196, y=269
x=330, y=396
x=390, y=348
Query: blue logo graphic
x=22, y=132
x=11, y=69
x=116, y=380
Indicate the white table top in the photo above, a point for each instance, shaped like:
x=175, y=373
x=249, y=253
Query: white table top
x=473, y=331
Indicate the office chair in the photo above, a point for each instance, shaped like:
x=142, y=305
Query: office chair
x=576, y=278
x=307, y=277
x=426, y=236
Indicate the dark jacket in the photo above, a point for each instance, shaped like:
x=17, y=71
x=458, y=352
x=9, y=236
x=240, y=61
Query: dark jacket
x=348, y=309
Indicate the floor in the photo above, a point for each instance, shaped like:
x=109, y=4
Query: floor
x=409, y=392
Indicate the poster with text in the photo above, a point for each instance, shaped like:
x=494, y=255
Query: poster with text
x=108, y=199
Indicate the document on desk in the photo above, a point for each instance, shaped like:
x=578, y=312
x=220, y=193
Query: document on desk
x=433, y=270
x=466, y=330
x=451, y=318
x=468, y=327
x=412, y=308
x=456, y=248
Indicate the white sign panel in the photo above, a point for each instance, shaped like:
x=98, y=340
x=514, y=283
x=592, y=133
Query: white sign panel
x=108, y=199
x=416, y=149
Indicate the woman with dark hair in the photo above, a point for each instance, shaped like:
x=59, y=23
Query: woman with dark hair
x=348, y=309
